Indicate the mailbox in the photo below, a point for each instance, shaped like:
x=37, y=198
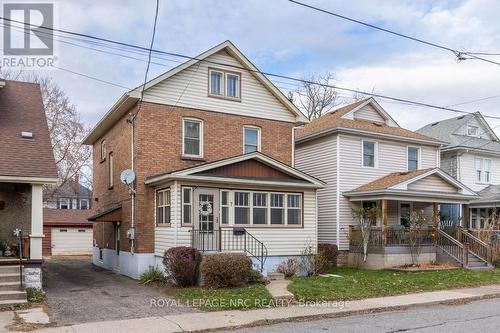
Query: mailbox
x=238, y=231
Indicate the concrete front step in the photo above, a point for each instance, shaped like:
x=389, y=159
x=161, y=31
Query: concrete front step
x=483, y=268
x=10, y=286
x=9, y=269
x=9, y=277
x=273, y=276
x=10, y=302
x=12, y=295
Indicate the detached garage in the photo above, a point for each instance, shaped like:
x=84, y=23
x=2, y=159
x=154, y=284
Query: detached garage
x=67, y=232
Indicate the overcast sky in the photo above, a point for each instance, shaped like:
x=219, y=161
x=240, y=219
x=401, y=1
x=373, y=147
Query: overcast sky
x=284, y=38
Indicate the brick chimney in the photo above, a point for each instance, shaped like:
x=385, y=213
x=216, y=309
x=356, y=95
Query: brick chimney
x=76, y=183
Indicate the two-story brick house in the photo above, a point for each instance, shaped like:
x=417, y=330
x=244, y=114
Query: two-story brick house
x=212, y=149
x=368, y=160
x=471, y=154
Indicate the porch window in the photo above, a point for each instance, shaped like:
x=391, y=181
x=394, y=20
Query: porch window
x=224, y=207
x=187, y=203
x=369, y=154
x=241, y=208
x=251, y=139
x=277, y=208
x=163, y=207
x=413, y=158
x=294, y=209
x=192, y=138
x=405, y=209
x=473, y=215
x=260, y=208
x=63, y=204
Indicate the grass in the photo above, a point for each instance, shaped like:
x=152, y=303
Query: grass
x=359, y=283
x=253, y=296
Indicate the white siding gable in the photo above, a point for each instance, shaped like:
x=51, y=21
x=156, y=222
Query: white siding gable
x=189, y=88
x=432, y=183
x=369, y=113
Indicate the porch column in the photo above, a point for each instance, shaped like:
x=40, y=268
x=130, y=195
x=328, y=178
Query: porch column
x=435, y=214
x=466, y=215
x=384, y=221
x=36, y=233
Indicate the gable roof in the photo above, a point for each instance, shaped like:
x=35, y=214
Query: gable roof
x=399, y=181
x=21, y=159
x=131, y=97
x=66, y=216
x=201, y=172
x=446, y=131
x=67, y=190
x=489, y=194
x=338, y=120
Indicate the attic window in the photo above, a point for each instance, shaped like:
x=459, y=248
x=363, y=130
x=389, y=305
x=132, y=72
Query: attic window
x=224, y=84
x=27, y=135
x=472, y=130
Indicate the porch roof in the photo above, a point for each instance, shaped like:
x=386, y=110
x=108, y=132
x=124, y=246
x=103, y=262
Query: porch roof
x=248, y=169
x=490, y=196
x=111, y=214
x=426, y=185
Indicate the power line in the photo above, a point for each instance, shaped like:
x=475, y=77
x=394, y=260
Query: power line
x=475, y=100
x=256, y=71
x=460, y=55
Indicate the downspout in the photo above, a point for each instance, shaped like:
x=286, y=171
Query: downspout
x=338, y=191
x=131, y=120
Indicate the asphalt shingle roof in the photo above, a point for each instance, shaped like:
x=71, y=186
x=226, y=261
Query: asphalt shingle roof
x=390, y=180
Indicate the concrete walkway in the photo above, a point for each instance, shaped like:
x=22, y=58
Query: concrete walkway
x=279, y=289
x=231, y=319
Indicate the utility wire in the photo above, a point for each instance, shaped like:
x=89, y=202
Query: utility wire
x=256, y=71
x=460, y=55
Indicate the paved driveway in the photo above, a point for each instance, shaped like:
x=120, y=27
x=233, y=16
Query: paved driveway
x=79, y=292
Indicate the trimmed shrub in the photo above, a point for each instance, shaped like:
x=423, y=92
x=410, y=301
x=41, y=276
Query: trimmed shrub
x=223, y=270
x=182, y=265
x=329, y=252
x=289, y=267
x=153, y=275
x=255, y=276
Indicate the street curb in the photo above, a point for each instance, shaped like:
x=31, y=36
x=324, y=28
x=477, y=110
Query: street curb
x=350, y=313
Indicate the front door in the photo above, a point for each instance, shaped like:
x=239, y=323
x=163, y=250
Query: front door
x=206, y=219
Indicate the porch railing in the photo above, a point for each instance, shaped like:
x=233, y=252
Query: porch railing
x=396, y=236
x=229, y=240
x=477, y=247
x=451, y=246
x=492, y=238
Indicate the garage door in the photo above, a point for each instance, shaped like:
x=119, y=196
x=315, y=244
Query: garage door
x=71, y=241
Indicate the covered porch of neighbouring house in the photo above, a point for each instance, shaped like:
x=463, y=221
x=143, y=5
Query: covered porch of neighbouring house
x=396, y=196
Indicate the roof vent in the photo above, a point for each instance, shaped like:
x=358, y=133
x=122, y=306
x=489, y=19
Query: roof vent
x=377, y=124
x=27, y=135
x=404, y=173
x=434, y=124
x=461, y=117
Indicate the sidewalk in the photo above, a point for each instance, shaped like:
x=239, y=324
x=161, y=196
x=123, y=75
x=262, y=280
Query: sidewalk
x=231, y=319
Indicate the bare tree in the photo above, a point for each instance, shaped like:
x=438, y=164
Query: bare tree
x=366, y=218
x=315, y=96
x=66, y=130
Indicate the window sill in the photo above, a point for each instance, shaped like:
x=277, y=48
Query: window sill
x=263, y=226
x=233, y=99
x=163, y=225
x=192, y=158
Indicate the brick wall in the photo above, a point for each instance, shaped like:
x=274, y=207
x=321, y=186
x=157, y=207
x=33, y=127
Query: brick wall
x=158, y=148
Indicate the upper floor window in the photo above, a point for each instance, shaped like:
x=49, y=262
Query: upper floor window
x=192, y=138
x=111, y=171
x=413, y=158
x=84, y=204
x=223, y=83
x=163, y=207
x=472, y=130
x=64, y=204
x=369, y=154
x=251, y=139
x=483, y=170
x=103, y=150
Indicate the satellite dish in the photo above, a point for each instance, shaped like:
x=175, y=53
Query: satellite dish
x=127, y=176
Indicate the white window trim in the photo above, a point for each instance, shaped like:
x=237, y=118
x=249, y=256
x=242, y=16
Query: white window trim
x=65, y=200
x=222, y=83
x=258, y=136
x=86, y=200
x=477, y=130
x=238, y=85
x=399, y=209
x=419, y=157
x=201, y=137
x=268, y=224
x=375, y=149
x=164, y=190
x=183, y=203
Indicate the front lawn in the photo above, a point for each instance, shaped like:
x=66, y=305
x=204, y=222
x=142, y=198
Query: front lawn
x=253, y=296
x=359, y=283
